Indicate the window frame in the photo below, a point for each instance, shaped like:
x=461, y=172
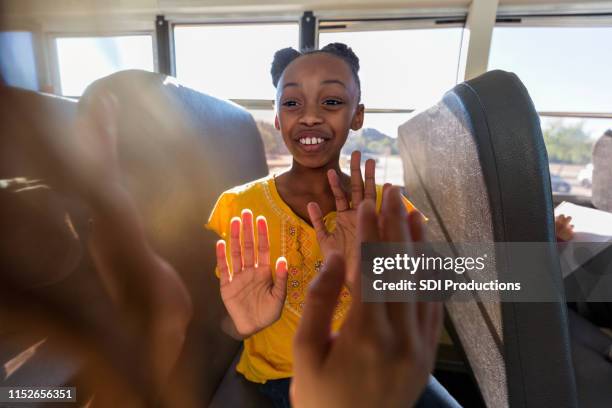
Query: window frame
x=569, y=20
x=36, y=49
x=45, y=38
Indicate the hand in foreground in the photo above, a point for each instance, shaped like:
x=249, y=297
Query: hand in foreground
x=90, y=161
x=384, y=352
x=343, y=238
x=253, y=299
x=154, y=304
x=130, y=349
x=563, y=229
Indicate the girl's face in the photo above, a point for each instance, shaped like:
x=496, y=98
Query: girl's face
x=317, y=105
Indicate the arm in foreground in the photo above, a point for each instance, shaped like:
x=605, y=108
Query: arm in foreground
x=384, y=352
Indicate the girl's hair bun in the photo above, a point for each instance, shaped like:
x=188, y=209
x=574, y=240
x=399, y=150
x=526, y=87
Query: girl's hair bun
x=345, y=52
x=282, y=58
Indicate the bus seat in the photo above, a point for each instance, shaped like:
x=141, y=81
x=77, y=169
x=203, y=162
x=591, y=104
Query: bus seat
x=32, y=210
x=40, y=249
x=591, y=348
x=602, y=172
x=39, y=115
x=179, y=150
x=590, y=352
x=476, y=165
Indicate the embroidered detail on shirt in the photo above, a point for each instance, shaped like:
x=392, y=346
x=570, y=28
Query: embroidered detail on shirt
x=297, y=248
x=284, y=217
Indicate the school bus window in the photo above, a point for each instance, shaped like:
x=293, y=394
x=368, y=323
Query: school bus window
x=277, y=155
x=569, y=142
x=565, y=69
x=240, y=54
x=399, y=74
x=398, y=69
x=566, y=72
x=17, y=61
x=104, y=56
x=374, y=140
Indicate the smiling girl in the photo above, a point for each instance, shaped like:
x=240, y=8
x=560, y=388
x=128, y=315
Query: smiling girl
x=302, y=214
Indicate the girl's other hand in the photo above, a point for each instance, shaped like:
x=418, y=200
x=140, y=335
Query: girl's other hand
x=343, y=238
x=563, y=229
x=253, y=299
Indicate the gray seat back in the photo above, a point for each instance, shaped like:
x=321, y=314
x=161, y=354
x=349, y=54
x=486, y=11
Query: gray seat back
x=602, y=172
x=476, y=165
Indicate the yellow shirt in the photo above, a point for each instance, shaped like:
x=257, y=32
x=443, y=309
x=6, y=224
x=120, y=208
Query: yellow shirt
x=268, y=354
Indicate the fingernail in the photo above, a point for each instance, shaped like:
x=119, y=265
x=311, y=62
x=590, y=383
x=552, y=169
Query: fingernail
x=281, y=260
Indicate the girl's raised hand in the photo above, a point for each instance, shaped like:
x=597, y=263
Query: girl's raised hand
x=343, y=238
x=253, y=299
